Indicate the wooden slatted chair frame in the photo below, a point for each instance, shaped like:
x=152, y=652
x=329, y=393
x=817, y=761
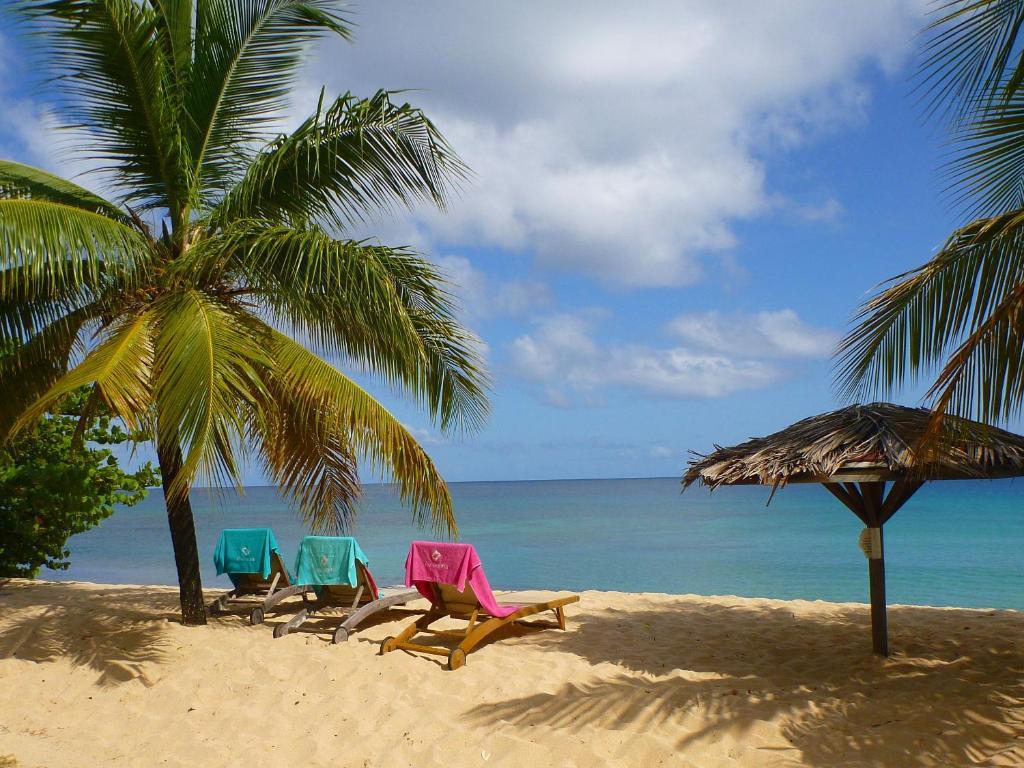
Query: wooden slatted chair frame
x=450, y=602
x=251, y=589
x=351, y=605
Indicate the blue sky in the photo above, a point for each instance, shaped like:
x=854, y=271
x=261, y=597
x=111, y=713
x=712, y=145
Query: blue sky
x=674, y=214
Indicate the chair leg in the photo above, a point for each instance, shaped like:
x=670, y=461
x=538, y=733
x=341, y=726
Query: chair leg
x=560, y=615
x=273, y=584
x=481, y=631
x=293, y=623
x=474, y=636
x=411, y=630
x=283, y=594
x=216, y=607
x=456, y=659
x=381, y=604
x=221, y=603
x=355, y=602
x=423, y=622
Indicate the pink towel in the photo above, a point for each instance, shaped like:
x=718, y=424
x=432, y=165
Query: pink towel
x=435, y=562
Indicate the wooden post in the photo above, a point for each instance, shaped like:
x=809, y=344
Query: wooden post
x=870, y=503
x=876, y=579
x=873, y=495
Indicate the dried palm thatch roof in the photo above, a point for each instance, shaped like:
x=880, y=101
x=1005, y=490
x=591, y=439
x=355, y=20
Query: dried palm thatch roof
x=861, y=443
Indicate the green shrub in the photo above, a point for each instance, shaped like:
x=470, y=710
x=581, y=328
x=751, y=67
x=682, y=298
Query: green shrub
x=56, y=481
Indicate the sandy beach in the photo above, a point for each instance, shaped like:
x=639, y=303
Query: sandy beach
x=104, y=675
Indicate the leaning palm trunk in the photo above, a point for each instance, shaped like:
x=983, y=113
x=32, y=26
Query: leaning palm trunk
x=183, y=538
x=179, y=302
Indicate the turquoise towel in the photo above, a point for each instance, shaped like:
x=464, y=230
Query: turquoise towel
x=326, y=560
x=245, y=550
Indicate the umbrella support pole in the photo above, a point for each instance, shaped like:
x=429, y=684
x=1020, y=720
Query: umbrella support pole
x=869, y=502
x=876, y=579
x=873, y=499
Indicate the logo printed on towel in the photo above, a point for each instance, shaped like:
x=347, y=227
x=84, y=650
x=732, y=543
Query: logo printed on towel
x=246, y=553
x=324, y=562
x=437, y=564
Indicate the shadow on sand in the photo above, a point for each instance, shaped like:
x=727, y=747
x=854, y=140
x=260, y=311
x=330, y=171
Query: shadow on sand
x=700, y=669
x=322, y=624
x=118, y=632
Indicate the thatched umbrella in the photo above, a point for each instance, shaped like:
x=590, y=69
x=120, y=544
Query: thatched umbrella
x=854, y=452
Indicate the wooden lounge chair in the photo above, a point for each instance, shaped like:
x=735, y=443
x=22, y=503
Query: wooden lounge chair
x=350, y=604
x=447, y=600
x=256, y=589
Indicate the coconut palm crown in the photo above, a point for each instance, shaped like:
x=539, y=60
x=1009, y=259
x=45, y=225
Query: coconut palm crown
x=178, y=297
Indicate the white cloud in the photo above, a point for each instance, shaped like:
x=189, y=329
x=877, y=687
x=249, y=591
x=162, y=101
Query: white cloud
x=571, y=367
x=28, y=128
x=621, y=145
x=426, y=437
x=829, y=209
x=780, y=334
x=31, y=130
x=482, y=297
x=662, y=452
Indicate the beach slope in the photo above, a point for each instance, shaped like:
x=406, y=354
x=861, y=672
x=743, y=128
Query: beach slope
x=95, y=675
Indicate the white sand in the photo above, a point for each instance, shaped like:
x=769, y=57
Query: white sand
x=94, y=675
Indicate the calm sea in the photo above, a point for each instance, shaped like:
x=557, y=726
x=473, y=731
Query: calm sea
x=955, y=543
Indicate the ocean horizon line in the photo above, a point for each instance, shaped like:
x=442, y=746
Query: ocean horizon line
x=466, y=482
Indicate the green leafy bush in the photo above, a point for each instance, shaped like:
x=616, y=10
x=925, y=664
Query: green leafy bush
x=59, y=480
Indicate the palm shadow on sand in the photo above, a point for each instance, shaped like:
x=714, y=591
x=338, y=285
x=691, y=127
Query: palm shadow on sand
x=118, y=632
x=941, y=699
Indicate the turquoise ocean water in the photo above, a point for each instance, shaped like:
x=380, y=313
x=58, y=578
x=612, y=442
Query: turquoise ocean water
x=955, y=543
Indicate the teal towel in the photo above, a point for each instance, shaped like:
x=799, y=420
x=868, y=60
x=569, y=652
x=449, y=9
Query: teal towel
x=326, y=560
x=245, y=550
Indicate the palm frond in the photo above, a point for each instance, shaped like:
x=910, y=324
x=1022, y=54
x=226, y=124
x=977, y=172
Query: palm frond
x=454, y=382
x=984, y=378
x=318, y=391
x=119, y=367
x=386, y=309
x=24, y=181
x=310, y=459
x=920, y=317
x=987, y=174
x=247, y=57
x=206, y=376
x=49, y=249
x=20, y=319
x=117, y=83
x=301, y=274
x=29, y=369
x=971, y=60
x=175, y=30
x=357, y=157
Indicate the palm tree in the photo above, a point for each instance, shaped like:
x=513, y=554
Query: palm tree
x=962, y=312
x=188, y=328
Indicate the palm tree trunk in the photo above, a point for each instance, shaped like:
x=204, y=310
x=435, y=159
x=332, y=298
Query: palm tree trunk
x=183, y=538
